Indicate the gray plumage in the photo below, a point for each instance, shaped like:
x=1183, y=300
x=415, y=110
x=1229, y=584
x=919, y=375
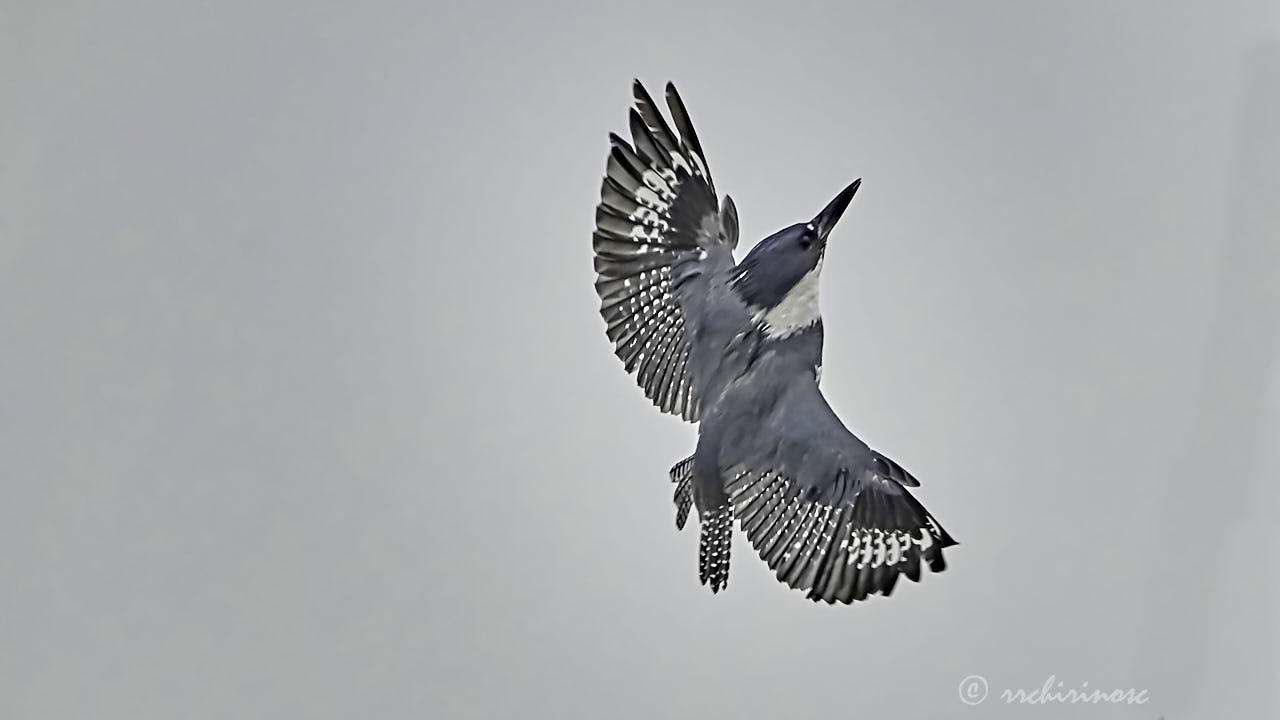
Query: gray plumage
x=737, y=348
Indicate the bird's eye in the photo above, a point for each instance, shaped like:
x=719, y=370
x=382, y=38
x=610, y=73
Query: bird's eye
x=806, y=241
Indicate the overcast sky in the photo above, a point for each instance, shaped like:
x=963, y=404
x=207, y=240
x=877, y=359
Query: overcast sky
x=307, y=411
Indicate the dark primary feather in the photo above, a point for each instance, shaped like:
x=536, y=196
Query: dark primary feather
x=681, y=117
x=654, y=120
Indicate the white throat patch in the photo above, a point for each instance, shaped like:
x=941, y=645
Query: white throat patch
x=798, y=309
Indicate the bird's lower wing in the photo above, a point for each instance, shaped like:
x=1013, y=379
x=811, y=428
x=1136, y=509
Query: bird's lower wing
x=657, y=206
x=841, y=551
x=829, y=515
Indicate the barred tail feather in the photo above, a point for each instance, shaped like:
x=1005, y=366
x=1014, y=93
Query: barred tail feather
x=713, y=547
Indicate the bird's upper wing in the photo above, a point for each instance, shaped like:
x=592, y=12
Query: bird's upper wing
x=657, y=205
x=827, y=513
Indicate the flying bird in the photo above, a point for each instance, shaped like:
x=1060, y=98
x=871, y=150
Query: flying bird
x=737, y=348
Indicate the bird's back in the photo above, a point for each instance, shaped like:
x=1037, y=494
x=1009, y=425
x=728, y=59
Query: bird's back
x=716, y=322
x=737, y=369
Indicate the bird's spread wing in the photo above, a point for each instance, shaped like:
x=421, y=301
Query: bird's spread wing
x=657, y=205
x=828, y=514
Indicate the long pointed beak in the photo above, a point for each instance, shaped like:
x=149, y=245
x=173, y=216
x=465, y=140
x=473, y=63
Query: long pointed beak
x=834, y=209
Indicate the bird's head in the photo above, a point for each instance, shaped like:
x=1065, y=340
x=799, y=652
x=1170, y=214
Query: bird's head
x=778, y=279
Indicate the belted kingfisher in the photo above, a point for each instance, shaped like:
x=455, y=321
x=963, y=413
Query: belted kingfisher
x=737, y=348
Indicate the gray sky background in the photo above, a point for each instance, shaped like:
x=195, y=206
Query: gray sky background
x=306, y=410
